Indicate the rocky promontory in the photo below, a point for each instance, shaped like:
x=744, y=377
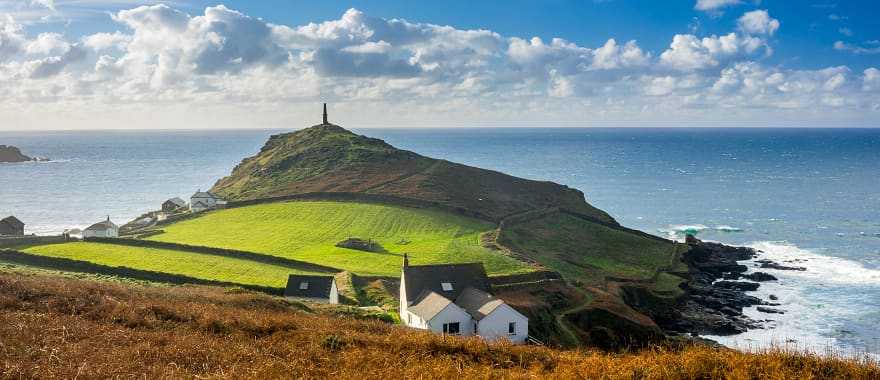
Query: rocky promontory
x=9, y=154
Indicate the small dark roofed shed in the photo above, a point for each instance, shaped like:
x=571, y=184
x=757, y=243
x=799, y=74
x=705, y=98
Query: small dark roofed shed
x=305, y=286
x=10, y=225
x=448, y=280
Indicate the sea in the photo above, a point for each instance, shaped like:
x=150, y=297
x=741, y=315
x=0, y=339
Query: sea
x=808, y=197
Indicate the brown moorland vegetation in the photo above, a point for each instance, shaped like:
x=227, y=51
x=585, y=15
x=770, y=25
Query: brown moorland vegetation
x=54, y=327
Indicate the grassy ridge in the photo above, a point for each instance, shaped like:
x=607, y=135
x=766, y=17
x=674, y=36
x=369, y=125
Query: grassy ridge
x=207, y=267
x=589, y=252
x=308, y=231
x=60, y=328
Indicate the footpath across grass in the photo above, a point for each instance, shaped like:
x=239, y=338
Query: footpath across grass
x=196, y=265
x=309, y=231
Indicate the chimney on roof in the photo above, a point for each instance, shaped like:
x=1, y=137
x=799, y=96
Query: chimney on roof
x=325, y=114
x=405, y=260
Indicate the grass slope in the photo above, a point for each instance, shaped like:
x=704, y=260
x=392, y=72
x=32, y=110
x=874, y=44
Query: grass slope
x=328, y=158
x=586, y=251
x=60, y=328
x=308, y=231
x=190, y=264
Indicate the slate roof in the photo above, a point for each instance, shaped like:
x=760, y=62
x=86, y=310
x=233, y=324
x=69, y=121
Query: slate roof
x=12, y=221
x=177, y=201
x=429, y=305
x=101, y=226
x=204, y=194
x=477, y=303
x=318, y=286
x=420, y=280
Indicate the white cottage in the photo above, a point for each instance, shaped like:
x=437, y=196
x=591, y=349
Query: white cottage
x=204, y=200
x=105, y=229
x=455, y=299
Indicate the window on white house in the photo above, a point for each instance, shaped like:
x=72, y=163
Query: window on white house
x=453, y=328
x=447, y=286
x=511, y=328
x=303, y=285
x=409, y=319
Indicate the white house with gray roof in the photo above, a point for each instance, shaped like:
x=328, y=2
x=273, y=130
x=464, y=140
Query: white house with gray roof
x=205, y=200
x=455, y=299
x=104, y=229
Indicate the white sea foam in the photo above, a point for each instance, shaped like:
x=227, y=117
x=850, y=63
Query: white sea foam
x=725, y=228
x=680, y=230
x=817, y=302
x=820, y=268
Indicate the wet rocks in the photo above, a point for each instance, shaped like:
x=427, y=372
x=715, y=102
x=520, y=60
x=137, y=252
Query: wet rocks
x=768, y=264
x=738, y=285
x=768, y=310
x=760, y=277
x=711, y=306
x=10, y=153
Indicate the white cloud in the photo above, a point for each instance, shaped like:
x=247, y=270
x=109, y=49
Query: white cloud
x=871, y=79
x=687, y=52
x=871, y=48
x=105, y=41
x=11, y=37
x=758, y=22
x=714, y=5
x=845, y=31
x=223, y=62
x=48, y=44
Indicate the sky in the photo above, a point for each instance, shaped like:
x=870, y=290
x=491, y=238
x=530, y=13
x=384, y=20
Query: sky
x=121, y=64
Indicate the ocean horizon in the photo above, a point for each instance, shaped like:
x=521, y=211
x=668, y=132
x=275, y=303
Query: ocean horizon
x=796, y=194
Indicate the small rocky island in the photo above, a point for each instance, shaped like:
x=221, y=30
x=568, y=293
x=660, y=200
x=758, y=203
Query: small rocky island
x=10, y=154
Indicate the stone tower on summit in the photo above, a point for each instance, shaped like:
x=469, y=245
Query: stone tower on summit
x=325, y=114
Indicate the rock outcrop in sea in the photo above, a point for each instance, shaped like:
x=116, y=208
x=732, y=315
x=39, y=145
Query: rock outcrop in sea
x=11, y=154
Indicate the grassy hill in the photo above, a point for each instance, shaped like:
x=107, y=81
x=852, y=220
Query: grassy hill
x=328, y=158
x=591, y=252
x=62, y=328
x=309, y=231
x=190, y=264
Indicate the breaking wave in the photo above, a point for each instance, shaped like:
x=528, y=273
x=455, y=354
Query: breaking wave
x=680, y=230
x=823, y=304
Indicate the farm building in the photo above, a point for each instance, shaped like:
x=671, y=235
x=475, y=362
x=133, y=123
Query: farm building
x=105, y=229
x=173, y=204
x=455, y=299
x=10, y=225
x=312, y=288
x=204, y=200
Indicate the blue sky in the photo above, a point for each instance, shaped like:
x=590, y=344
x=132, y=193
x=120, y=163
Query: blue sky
x=450, y=63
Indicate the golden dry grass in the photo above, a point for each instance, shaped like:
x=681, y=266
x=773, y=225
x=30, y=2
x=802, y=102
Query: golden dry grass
x=53, y=327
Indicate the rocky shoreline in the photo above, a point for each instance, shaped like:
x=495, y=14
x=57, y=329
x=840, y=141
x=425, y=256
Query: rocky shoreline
x=11, y=154
x=716, y=294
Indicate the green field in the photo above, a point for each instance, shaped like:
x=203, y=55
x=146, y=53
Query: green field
x=309, y=231
x=588, y=251
x=207, y=267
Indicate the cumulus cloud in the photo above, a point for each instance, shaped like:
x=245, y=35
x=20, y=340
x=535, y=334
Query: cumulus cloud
x=687, y=52
x=104, y=41
x=758, y=22
x=11, y=37
x=48, y=44
x=233, y=64
x=714, y=5
x=871, y=79
x=871, y=47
